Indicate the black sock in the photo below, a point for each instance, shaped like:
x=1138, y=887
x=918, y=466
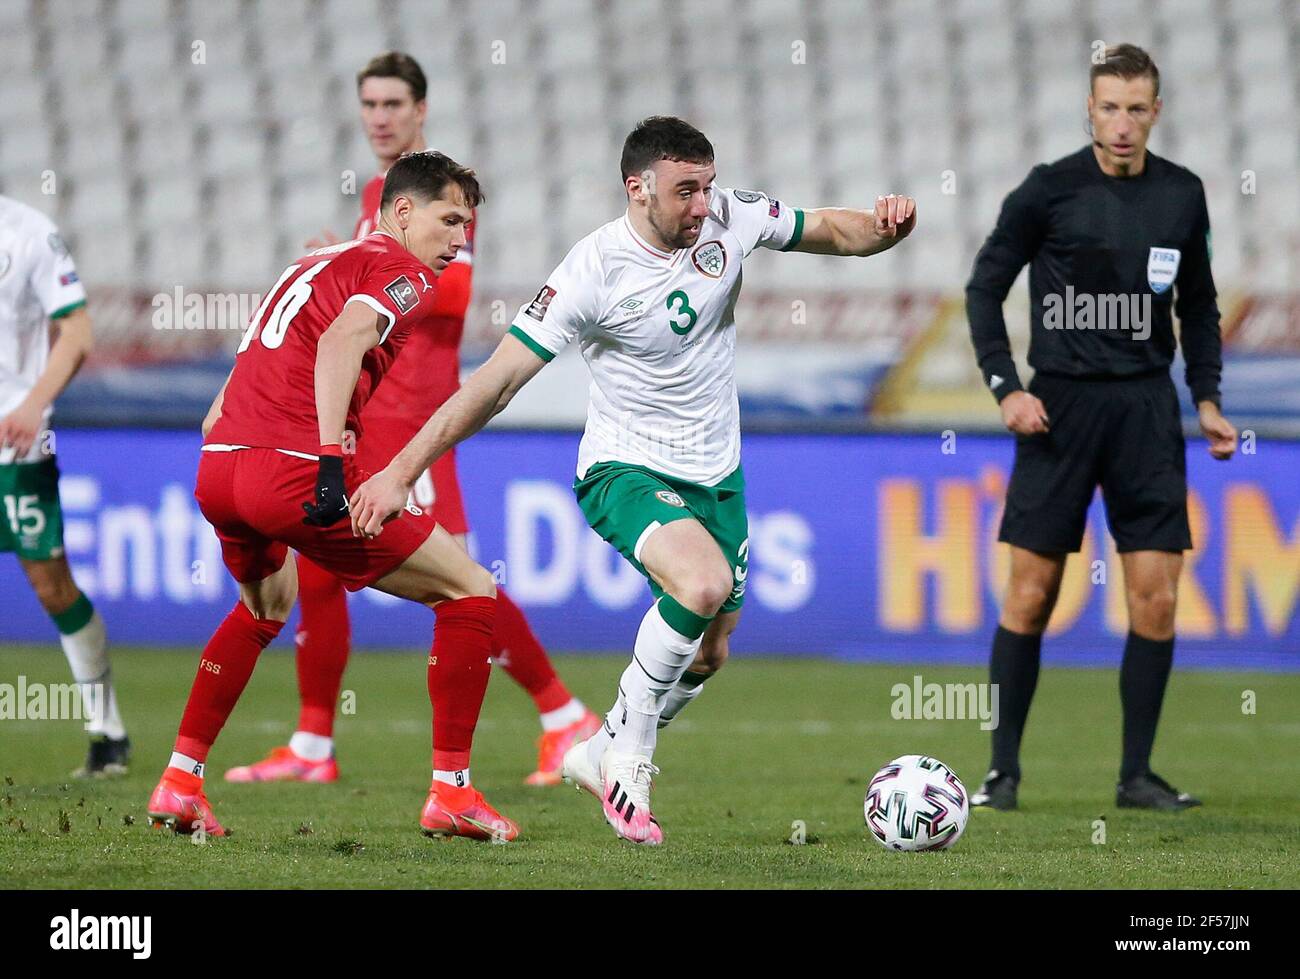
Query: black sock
x=1014, y=668
x=1142, y=679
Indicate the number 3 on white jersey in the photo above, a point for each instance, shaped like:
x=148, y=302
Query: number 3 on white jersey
x=293, y=300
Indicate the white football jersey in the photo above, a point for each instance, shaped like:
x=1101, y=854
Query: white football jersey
x=658, y=333
x=38, y=283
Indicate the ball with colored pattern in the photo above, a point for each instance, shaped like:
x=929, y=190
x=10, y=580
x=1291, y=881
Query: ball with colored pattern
x=916, y=803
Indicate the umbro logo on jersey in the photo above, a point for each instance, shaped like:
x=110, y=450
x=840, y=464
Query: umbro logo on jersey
x=710, y=257
x=630, y=304
x=403, y=293
x=537, y=308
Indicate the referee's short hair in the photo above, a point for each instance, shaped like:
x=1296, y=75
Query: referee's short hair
x=1126, y=61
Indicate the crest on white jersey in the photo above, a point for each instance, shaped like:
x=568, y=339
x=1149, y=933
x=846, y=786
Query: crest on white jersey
x=1162, y=268
x=710, y=257
x=748, y=196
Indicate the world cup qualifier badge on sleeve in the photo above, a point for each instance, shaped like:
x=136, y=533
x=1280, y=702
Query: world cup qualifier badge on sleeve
x=541, y=303
x=403, y=293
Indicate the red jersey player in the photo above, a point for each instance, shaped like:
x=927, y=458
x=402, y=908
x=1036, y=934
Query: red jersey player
x=325, y=335
x=392, y=91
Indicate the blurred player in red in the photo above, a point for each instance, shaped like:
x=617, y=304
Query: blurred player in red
x=277, y=445
x=392, y=91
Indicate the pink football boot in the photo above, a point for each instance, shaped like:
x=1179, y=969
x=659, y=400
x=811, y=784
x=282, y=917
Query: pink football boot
x=282, y=765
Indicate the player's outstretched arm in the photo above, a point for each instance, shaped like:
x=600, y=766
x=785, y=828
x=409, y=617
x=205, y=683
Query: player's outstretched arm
x=488, y=390
x=22, y=426
x=844, y=231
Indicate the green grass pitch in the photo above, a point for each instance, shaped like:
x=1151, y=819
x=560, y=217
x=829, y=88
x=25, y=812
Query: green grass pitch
x=768, y=743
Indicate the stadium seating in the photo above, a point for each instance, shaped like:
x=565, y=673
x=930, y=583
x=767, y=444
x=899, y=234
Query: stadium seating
x=231, y=125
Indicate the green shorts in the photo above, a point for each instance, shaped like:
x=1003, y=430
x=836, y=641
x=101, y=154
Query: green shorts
x=31, y=520
x=626, y=503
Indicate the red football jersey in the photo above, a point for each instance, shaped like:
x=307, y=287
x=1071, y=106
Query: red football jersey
x=270, y=400
x=371, y=194
x=428, y=372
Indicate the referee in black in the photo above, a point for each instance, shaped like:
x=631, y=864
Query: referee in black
x=1115, y=237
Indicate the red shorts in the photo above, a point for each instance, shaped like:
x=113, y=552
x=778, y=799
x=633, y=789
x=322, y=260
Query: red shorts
x=374, y=452
x=253, y=498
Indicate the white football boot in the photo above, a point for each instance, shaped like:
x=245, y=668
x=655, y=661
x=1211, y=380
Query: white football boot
x=626, y=781
x=578, y=770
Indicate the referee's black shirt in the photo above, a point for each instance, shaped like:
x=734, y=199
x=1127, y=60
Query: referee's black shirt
x=1095, y=235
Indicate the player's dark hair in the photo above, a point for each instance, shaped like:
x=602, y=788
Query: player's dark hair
x=425, y=175
x=663, y=138
x=396, y=64
x=1126, y=61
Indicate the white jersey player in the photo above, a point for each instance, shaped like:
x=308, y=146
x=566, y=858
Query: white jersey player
x=650, y=298
x=39, y=286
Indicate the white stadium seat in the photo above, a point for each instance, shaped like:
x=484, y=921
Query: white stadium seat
x=888, y=93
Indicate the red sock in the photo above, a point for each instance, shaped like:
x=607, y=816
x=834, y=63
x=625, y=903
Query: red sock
x=227, y=663
x=519, y=653
x=324, y=638
x=458, y=676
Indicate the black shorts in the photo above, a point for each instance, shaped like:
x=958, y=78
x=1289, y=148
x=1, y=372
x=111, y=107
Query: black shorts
x=1124, y=435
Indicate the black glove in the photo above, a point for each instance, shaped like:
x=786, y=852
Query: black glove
x=331, y=504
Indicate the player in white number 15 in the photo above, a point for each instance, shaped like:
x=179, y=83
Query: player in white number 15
x=39, y=286
x=649, y=297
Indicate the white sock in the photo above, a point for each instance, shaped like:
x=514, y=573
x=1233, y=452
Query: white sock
x=186, y=764
x=659, y=659
x=603, y=738
x=570, y=713
x=87, y=653
x=313, y=747
x=460, y=777
x=681, y=695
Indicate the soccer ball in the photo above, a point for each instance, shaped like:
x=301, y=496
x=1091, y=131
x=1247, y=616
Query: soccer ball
x=916, y=803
